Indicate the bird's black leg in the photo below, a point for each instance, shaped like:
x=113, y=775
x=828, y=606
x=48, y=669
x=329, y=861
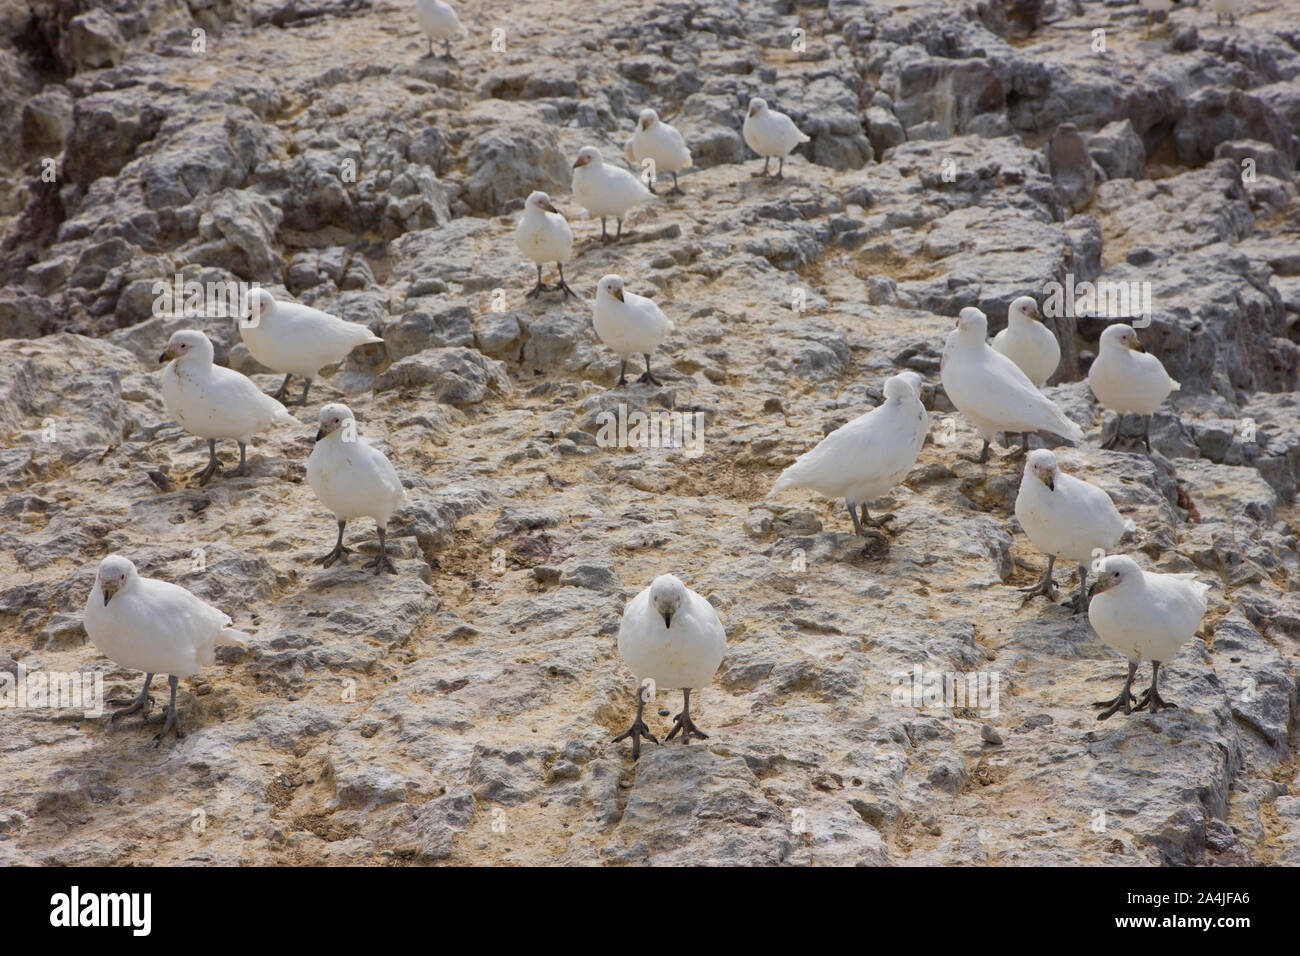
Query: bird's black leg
x=564, y=285
x=339, y=551
x=243, y=462
x=604, y=236
x=767, y=160
x=446, y=47
x=1146, y=433
x=1114, y=439
x=213, y=467
x=648, y=376
x=1151, y=698
x=622, y=374
x=857, y=525
x=676, y=190
x=306, y=387
x=780, y=168
x=618, y=235
x=283, y=390
x=172, y=721
x=1045, y=586
x=1080, y=604
x=684, y=723
x=1023, y=450
x=539, y=288
x=430, y=39
x=383, y=562
x=1125, y=699
x=143, y=702
x=638, y=728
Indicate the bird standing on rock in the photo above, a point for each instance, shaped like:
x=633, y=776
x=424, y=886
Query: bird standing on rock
x=862, y=460
x=660, y=143
x=605, y=190
x=770, y=133
x=155, y=627
x=214, y=402
x=439, y=22
x=672, y=636
x=990, y=390
x=1064, y=517
x=544, y=236
x=354, y=480
x=298, y=340
x=1127, y=379
x=1029, y=343
x=1144, y=616
x=629, y=324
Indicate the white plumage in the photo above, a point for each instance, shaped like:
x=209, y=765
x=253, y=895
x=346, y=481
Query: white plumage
x=1126, y=379
x=629, y=324
x=1065, y=517
x=605, y=190
x=543, y=235
x=660, y=143
x=155, y=627
x=1028, y=342
x=353, y=479
x=296, y=339
x=770, y=133
x=672, y=636
x=1145, y=616
x=439, y=22
x=990, y=390
x=213, y=402
x=862, y=460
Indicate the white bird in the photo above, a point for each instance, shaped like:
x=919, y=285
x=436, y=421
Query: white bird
x=1144, y=616
x=991, y=391
x=660, y=143
x=155, y=627
x=439, y=21
x=296, y=339
x=1029, y=343
x=1127, y=379
x=544, y=236
x=863, y=459
x=605, y=190
x=214, y=402
x=1225, y=8
x=673, y=637
x=770, y=133
x=629, y=324
x=354, y=480
x=1065, y=517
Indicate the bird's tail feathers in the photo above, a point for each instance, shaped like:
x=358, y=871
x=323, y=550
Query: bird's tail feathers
x=229, y=635
x=1175, y=387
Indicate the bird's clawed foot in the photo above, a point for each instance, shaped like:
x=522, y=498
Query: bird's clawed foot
x=204, y=476
x=645, y=377
x=381, y=563
x=336, y=555
x=1045, y=587
x=683, y=723
x=141, y=703
x=537, y=290
x=172, y=722
x=1152, y=700
x=1124, y=701
x=637, y=731
x=565, y=287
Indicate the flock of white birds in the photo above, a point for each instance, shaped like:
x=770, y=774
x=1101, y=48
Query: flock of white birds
x=671, y=637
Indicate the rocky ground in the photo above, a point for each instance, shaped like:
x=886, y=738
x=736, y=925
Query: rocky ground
x=961, y=153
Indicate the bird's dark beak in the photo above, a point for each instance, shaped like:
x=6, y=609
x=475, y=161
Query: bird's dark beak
x=1138, y=347
x=550, y=208
x=668, y=617
x=1051, y=484
x=166, y=354
x=109, y=591
x=320, y=433
x=618, y=294
x=579, y=162
x=645, y=124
